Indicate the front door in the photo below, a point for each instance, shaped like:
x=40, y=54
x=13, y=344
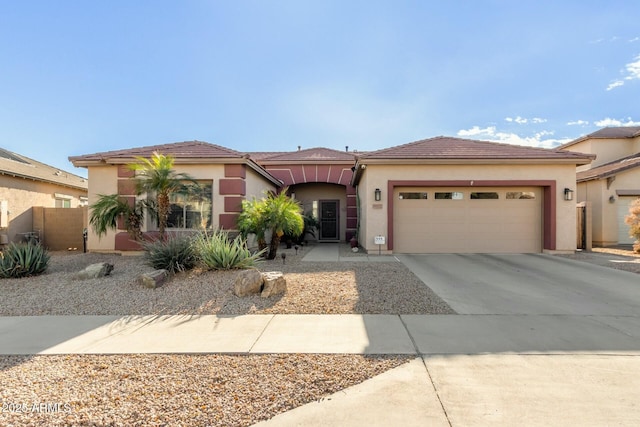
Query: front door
x=329, y=221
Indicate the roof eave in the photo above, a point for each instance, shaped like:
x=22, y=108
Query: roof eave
x=471, y=160
x=49, y=181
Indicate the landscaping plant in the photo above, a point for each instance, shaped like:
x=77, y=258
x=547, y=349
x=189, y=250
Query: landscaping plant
x=156, y=176
x=23, y=259
x=633, y=221
x=173, y=254
x=106, y=211
x=217, y=252
x=276, y=212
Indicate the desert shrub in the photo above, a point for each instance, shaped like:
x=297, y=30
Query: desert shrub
x=633, y=221
x=216, y=251
x=23, y=259
x=173, y=254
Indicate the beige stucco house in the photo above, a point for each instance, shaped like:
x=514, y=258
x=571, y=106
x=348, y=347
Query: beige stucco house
x=26, y=183
x=611, y=182
x=437, y=195
x=228, y=176
x=456, y=195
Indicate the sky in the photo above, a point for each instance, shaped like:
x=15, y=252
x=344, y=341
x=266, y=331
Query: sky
x=80, y=77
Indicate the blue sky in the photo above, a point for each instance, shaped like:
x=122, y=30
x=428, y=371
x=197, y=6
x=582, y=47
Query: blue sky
x=78, y=77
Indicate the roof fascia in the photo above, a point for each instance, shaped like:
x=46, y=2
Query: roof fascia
x=33, y=178
x=478, y=161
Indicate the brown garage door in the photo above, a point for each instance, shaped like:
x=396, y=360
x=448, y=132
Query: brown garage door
x=468, y=220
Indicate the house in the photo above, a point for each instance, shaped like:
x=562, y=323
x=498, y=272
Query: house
x=457, y=195
x=227, y=175
x=320, y=179
x=611, y=182
x=25, y=185
x=436, y=195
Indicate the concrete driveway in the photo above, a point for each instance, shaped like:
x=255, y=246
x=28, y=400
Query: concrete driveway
x=526, y=284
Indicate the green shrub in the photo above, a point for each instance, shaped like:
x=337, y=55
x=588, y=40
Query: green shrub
x=23, y=259
x=217, y=252
x=173, y=254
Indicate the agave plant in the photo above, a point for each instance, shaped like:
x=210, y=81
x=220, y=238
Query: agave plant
x=23, y=260
x=217, y=252
x=173, y=254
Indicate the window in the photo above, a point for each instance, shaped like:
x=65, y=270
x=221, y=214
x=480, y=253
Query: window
x=422, y=196
x=62, y=200
x=521, y=195
x=484, y=195
x=451, y=195
x=192, y=210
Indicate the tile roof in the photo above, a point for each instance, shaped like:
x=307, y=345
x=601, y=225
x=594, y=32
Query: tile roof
x=609, y=169
x=443, y=147
x=24, y=167
x=179, y=150
x=316, y=154
x=606, y=133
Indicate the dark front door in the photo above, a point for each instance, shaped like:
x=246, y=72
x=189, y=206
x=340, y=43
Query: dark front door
x=329, y=224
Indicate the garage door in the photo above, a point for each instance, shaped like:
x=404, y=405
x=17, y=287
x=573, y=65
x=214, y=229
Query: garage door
x=623, y=228
x=467, y=220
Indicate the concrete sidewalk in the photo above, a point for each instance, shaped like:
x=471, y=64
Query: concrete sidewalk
x=309, y=333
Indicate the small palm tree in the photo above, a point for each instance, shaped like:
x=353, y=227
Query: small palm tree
x=278, y=213
x=106, y=211
x=155, y=176
x=252, y=221
x=283, y=215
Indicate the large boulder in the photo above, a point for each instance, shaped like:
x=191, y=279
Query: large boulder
x=154, y=279
x=94, y=271
x=248, y=282
x=274, y=284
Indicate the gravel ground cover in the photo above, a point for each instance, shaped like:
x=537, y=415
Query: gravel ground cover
x=217, y=390
x=172, y=390
x=312, y=288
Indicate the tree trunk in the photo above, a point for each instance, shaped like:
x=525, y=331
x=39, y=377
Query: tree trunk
x=273, y=247
x=163, y=213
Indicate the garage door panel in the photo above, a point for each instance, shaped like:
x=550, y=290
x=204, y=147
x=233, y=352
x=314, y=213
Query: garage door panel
x=468, y=225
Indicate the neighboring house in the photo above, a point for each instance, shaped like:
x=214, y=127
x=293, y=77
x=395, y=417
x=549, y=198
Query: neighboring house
x=228, y=175
x=611, y=182
x=436, y=195
x=26, y=183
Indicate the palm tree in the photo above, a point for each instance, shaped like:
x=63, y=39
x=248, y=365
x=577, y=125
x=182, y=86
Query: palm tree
x=106, y=211
x=156, y=176
x=283, y=215
x=252, y=221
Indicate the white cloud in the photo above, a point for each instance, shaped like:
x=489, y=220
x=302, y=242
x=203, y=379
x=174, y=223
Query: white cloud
x=615, y=84
x=491, y=134
x=538, y=120
x=615, y=122
x=631, y=72
x=633, y=68
x=519, y=120
x=477, y=131
x=635, y=39
x=578, y=122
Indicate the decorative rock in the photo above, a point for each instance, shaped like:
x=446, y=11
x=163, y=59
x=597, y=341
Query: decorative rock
x=153, y=280
x=94, y=271
x=274, y=284
x=248, y=282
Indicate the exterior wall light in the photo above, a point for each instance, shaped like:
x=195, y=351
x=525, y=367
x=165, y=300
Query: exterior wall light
x=568, y=194
x=378, y=194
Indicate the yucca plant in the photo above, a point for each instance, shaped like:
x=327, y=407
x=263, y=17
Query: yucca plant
x=23, y=260
x=217, y=252
x=173, y=254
